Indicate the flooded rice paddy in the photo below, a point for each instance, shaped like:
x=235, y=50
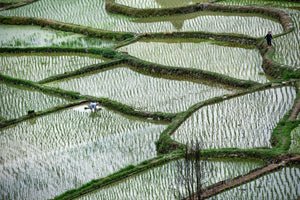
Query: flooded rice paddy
x=283, y=184
x=15, y=102
x=36, y=67
x=287, y=46
x=143, y=92
x=212, y=22
x=160, y=182
x=49, y=155
x=74, y=12
x=234, y=61
x=44, y=157
x=271, y=3
x=158, y=3
x=242, y=122
x=35, y=36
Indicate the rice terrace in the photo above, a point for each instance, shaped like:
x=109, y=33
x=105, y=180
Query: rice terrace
x=150, y=99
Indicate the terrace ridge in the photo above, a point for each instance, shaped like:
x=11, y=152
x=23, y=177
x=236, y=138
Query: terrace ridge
x=284, y=18
x=270, y=67
x=253, y=174
x=16, y=5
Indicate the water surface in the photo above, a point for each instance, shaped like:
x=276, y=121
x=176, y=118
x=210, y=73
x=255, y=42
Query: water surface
x=143, y=92
x=161, y=182
x=36, y=67
x=83, y=12
x=227, y=59
x=35, y=36
x=158, y=3
x=44, y=157
x=15, y=102
x=243, y=122
x=283, y=184
x=269, y=3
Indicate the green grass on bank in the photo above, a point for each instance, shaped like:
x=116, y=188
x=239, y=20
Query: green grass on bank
x=11, y=1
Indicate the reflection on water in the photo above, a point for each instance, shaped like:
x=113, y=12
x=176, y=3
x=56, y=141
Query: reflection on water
x=287, y=46
x=64, y=150
x=243, y=122
x=160, y=182
x=283, y=184
x=158, y=3
x=35, y=36
x=74, y=12
x=230, y=60
x=15, y=102
x=143, y=92
x=269, y=3
x=43, y=157
x=36, y=67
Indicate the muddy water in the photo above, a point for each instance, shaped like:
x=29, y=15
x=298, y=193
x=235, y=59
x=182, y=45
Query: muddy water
x=42, y=158
x=143, y=92
x=161, y=182
x=233, y=61
x=242, y=122
x=36, y=67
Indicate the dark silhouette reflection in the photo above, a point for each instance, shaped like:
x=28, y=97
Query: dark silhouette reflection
x=176, y=20
x=177, y=23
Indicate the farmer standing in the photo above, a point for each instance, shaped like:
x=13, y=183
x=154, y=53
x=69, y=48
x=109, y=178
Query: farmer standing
x=269, y=38
x=93, y=106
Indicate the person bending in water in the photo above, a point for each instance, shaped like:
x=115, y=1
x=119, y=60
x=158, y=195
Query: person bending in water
x=269, y=38
x=93, y=106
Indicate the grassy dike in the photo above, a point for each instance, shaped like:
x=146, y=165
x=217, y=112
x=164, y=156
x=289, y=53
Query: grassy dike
x=105, y=52
x=80, y=71
x=239, y=39
x=120, y=175
x=269, y=66
x=169, y=148
x=283, y=161
x=266, y=155
x=131, y=170
x=273, y=68
x=6, y=123
x=8, y=5
x=284, y=18
x=91, y=32
x=166, y=145
x=154, y=68
x=281, y=135
x=110, y=104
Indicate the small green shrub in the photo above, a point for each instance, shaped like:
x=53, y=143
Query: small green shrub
x=29, y=112
x=109, y=53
